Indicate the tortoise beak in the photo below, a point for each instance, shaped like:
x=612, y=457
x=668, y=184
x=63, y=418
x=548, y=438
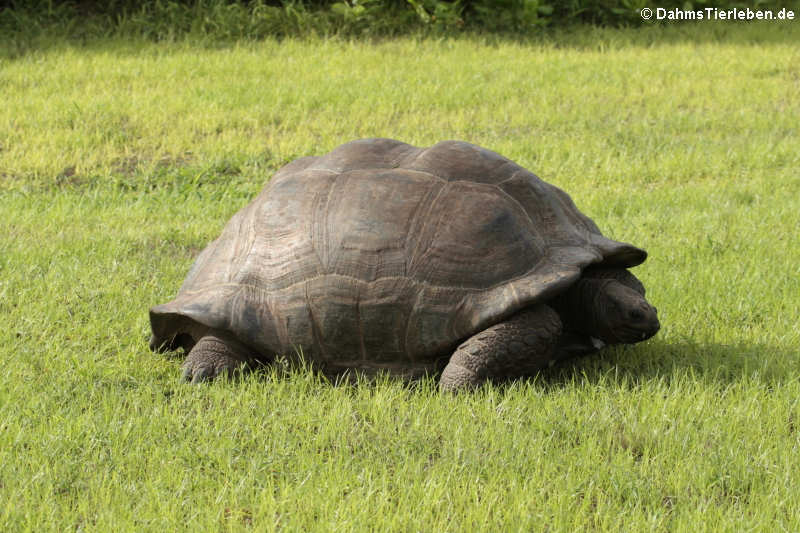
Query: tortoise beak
x=642, y=323
x=649, y=323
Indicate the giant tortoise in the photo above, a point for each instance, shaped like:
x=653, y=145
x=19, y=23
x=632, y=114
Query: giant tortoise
x=382, y=256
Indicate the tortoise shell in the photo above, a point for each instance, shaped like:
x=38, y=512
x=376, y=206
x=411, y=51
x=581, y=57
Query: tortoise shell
x=385, y=255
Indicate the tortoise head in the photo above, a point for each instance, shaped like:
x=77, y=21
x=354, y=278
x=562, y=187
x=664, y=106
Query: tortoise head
x=618, y=313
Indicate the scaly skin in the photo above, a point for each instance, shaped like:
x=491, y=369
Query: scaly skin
x=215, y=355
x=521, y=345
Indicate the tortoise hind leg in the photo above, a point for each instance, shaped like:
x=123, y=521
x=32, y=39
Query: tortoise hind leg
x=521, y=345
x=214, y=355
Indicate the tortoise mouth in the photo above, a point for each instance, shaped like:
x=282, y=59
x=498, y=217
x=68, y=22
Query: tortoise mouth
x=631, y=334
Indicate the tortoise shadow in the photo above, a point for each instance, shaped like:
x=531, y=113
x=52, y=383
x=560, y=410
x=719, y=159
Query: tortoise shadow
x=717, y=363
x=626, y=365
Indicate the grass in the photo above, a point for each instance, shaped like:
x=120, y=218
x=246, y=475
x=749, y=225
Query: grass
x=120, y=160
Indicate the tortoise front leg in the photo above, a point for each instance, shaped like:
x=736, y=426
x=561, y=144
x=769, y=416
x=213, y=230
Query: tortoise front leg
x=521, y=345
x=214, y=355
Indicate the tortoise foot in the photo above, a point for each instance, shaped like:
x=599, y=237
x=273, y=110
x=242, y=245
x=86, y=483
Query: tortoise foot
x=519, y=346
x=213, y=357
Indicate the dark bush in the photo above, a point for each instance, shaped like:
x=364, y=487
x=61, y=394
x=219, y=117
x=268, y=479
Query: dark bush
x=234, y=19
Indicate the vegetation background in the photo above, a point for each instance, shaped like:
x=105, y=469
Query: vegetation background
x=131, y=132
x=23, y=21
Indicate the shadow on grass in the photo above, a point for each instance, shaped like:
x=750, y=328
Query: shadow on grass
x=619, y=367
x=717, y=363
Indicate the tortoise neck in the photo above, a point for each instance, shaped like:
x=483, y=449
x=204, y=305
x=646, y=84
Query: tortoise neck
x=584, y=307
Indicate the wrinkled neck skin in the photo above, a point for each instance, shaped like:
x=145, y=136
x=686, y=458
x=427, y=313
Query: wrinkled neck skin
x=579, y=310
x=609, y=305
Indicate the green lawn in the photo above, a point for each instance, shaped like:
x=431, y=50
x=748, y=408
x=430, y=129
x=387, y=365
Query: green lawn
x=119, y=161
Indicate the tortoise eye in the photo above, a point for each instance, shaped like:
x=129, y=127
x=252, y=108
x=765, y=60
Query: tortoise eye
x=636, y=314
